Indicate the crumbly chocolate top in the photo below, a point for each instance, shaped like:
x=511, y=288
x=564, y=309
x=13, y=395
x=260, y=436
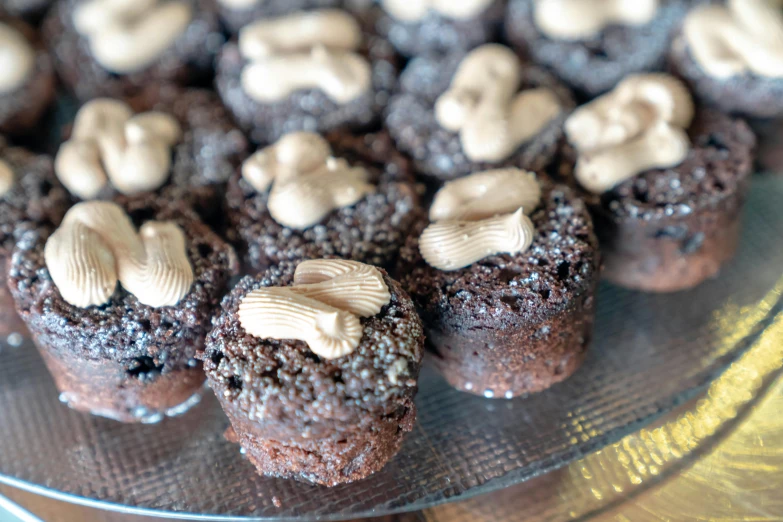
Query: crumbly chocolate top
x=412, y=121
x=288, y=387
x=719, y=162
x=36, y=197
x=596, y=64
x=124, y=329
x=505, y=290
x=370, y=231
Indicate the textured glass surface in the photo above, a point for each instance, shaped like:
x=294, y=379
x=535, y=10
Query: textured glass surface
x=650, y=353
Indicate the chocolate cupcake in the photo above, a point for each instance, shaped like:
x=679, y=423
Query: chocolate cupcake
x=668, y=182
x=119, y=49
x=317, y=402
x=504, y=279
x=731, y=56
x=122, y=351
x=30, y=197
x=461, y=114
x=593, y=44
x=26, y=78
x=416, y=27
x=298, y=199
x=310, y=71
x=184, y=148
x=30, y=10
x=238, y=13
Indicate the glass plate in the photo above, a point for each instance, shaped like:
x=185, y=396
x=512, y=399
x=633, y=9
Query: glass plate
x=650, y=353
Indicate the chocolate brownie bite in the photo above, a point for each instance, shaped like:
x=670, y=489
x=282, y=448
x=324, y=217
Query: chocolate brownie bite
x=120, y=48
x=303, y=199
x=26, y=78
x=731, y=56
x=238, y=13
x=591, y=45
x=306, y=400
x=122, y=351
x=181, y=146
x=417, y=27
x=667, y=182
x=504, y=278
x=460, y=114
x=314, y=71
x=30, y=197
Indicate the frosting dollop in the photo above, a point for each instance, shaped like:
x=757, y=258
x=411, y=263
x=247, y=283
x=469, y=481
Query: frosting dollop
x=739, y=37
x=6, y=177
x=416, y=10
x=307, y=182
x=97, y=245
x=584, y=19
x=17, y=59
x=126, y=36
x=322, y=308
x=638, y=126
x=480, y=215
x=109, y=143
x=305, y=50
x=483, y=105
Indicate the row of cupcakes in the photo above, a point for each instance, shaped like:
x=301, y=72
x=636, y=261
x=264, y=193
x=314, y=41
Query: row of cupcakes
x=502, y=269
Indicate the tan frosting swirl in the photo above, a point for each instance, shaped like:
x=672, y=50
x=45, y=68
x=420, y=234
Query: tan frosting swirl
x=6, y=177
x=109, y=143
x=307, y=181
x=416, y=10
x=483, y=105
x=480, y=215
x=305, y=50
x=96, y=246
x=322, y=308
x=128, y=35
x=17, y=59
x=743, y=36
x=583, y=19
x=638, y=126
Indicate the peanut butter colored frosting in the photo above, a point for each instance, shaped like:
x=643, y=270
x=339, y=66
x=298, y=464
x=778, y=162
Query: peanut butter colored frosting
x=17, y=59
x=483, y=105
x=97, y=245
x=640, y=125
x=416, y=10
x=307, y=182
x=126, y=36
x=109, y=143
x=6, y=177
x=480, y=215
x=322, y=308
x=305, y=50
x=743, y=36
x=584, y=19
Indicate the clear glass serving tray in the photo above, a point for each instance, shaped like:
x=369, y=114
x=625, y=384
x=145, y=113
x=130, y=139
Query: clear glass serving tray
x=650, y=353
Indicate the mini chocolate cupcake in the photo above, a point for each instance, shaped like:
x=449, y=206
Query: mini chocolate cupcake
x=30, y=197
x=504, y=279
x=669, y=182
x=238, y=13
x=416, y=27
x=26, y=78
x=593, y=44
x=296, y=200
x=310, y=71
x=122, y=351
x=30, y=10
x=185, y=148
x=316, y=369
x=120, y=48
x=731, y=56
x=461, y=114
